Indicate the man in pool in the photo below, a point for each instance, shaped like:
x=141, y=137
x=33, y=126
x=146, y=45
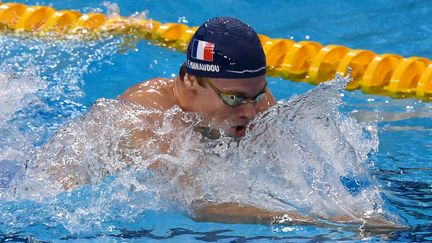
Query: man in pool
x=223, y=79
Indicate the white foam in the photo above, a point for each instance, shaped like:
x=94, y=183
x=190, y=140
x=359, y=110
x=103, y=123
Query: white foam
x=40, y=84
x=17, y=91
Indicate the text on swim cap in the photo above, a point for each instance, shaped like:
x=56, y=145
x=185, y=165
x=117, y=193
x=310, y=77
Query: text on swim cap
x=203, y=67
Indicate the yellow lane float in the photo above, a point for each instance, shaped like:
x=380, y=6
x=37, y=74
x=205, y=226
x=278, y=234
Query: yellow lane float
x=305, y=61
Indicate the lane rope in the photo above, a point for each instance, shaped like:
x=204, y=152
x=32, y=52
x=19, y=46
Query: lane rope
x=304, y=61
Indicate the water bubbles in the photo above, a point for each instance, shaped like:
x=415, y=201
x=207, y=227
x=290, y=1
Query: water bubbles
x=182, y=20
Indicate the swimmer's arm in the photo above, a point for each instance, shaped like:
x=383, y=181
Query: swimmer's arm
x=237, y=213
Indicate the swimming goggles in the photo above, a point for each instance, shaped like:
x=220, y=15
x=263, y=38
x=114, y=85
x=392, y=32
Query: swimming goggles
x=235, y=99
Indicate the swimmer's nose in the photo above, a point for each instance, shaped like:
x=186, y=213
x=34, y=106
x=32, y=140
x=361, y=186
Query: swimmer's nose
x=247, y=111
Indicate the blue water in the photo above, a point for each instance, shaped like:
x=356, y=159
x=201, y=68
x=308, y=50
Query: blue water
x=68, y=80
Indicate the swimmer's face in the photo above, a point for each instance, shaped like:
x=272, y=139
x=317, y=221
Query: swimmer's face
x=235, y=119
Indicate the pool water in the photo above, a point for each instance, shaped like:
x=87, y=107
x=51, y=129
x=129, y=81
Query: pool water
x=48, y=88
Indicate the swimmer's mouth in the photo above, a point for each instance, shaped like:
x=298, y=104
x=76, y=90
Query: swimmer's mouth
x=239, y=131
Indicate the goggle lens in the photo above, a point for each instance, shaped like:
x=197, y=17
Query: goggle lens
x=233, y=99
x=236, y=100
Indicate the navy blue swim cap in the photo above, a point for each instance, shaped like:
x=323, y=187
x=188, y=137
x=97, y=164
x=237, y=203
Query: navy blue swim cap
x=225, y=47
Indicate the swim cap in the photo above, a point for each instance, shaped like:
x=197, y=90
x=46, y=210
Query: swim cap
x=225, y=47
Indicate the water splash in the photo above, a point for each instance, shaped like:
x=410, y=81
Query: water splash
x=120, y=160
x=298, y=153
x=113, y=10
x=41, y=89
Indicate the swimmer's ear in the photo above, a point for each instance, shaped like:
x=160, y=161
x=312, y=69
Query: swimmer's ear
x=189, y=81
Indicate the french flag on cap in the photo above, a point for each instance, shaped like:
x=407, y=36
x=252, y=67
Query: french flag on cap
x=203, y=50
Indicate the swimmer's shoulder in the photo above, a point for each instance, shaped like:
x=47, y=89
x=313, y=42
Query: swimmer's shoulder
x=154, y=93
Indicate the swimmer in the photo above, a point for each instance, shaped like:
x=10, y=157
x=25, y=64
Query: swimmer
x=224, y=80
